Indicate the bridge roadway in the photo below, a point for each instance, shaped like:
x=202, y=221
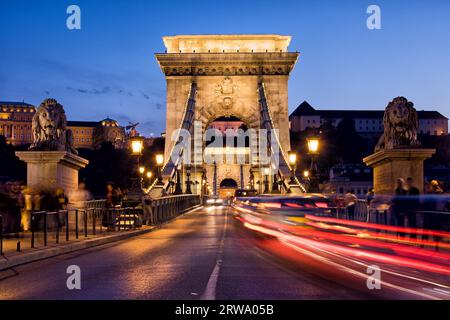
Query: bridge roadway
x=205, y=254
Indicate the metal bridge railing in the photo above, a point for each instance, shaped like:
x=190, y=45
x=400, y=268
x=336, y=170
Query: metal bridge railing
x=95, y=219
x=73, y=223
x=159, y=210
x=361, y=211
x=424, y=219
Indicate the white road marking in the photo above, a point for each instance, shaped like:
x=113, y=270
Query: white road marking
x=210, y=290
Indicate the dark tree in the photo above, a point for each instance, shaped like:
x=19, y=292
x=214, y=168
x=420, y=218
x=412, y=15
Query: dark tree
x=350, y=147
x=11, y=167
x=106, y=164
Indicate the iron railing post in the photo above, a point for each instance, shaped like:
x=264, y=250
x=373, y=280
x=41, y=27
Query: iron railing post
x=76, y=223
x=67, y=225
x=45, y=229
x=94, y=216
x=85, y=223
x=57, y=226
x=1, y=235
x=32, y=229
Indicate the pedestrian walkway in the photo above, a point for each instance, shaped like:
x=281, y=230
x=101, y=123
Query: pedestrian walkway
x=37, y=249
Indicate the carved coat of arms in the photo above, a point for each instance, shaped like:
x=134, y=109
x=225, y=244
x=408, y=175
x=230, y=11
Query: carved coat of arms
x=225, y=92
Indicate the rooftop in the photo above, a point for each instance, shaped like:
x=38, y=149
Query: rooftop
x=15, y=103
x=305, y=109
x=83, y=123
x=226, y=43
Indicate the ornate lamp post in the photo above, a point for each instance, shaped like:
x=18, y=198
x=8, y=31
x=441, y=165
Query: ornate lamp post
x=313, y=145
x=137, y=143
x=203, y=184
x=142, y=171
x=293, y=164
x=313, y=150
x=252, y=180
x=159, y=164
x=149, y=176
x=188, y=181
x=215, y=179
x=178, y=189
x=266, y=180
x=275, y=184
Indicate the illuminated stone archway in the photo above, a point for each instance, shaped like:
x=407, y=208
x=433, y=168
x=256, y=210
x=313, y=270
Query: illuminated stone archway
x=227, y=70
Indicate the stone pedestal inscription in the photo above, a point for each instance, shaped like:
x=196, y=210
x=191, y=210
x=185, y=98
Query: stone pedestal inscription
x=48, y=170
x=389, y=165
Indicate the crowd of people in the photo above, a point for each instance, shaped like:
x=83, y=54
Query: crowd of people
x=402, y=208
x=408, y=204
x=18, y=202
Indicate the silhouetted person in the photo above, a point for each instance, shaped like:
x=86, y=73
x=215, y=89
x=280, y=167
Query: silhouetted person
x=398, y=207
x=369, y=196
x=413, y=202
x=431, y=204
x=350, y=203
x=110, y=195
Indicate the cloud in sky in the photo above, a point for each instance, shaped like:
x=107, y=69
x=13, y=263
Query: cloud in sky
x=104, y=90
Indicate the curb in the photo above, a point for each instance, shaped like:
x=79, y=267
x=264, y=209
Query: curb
x=71, y=247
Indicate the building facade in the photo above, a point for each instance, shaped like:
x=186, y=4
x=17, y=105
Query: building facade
x=91, y=134
x=356, y=178
x=367, y=122
x=83, y=133
x=15, y=122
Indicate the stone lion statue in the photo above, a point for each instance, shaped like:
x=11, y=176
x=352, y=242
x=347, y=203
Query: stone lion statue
x=400, y=126
x=49, y=128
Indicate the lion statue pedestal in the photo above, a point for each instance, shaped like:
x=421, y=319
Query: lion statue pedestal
x=389, y=165
x=398, y=153
x=52, y=161
x=48, y=170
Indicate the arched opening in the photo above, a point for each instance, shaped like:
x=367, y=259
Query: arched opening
x=227, y=188
x=228, y=183
x=230, y=126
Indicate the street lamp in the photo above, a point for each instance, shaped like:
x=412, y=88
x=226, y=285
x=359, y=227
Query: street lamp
x=293, y=163
x=313, y=145
x=306, y=174
x=159, y=159
x=188, y=181
x=275, y=184
x=141, y=171
x=252, y=180
x=159, y=163
x=266, y=179
x=313, y=150
x=149, y=175
x=137, y=144
x=178, y=188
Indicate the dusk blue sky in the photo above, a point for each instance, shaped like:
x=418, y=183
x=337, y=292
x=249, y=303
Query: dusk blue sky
x=108, y=68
